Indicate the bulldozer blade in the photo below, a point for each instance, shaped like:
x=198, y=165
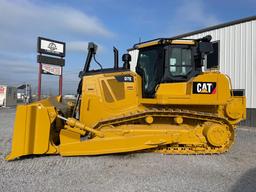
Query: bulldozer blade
x=32, y=129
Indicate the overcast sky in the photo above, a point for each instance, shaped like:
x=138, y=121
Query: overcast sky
x=108, y=23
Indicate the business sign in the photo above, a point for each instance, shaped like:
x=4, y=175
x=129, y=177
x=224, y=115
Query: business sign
x=51, y=47
x=51, y=69
x=51, y=65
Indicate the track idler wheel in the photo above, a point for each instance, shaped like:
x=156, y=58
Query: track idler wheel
x=216, y=134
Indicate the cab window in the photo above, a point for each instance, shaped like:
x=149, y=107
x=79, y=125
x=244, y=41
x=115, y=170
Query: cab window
x=150, y=67
x=180, y=61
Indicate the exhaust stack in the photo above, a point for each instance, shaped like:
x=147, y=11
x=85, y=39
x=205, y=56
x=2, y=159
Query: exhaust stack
x=115, y=58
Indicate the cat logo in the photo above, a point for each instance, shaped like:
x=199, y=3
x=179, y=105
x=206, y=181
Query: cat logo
x=204, y=87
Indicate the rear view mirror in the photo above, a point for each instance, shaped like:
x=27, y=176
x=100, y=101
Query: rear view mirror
x=205, y=47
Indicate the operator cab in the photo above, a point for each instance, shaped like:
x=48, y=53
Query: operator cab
x=168, y=61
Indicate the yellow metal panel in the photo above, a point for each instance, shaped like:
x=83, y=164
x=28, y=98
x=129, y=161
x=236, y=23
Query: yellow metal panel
x=181, y=93
x=117, y=88
x=157, y=42
x=183, y=42
x=19, y=133
x=171, y=90
x=152, y=43
x=108, y=95
x=32, y=130
x=97, y=99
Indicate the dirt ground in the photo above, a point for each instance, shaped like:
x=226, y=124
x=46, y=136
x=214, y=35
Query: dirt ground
x=233, y=171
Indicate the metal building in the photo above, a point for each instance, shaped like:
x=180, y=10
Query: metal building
x=234, y=54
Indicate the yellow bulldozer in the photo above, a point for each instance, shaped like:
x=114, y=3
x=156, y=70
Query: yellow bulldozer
x=169, y=105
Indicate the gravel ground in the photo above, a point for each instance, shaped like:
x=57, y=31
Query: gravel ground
x=232, y=171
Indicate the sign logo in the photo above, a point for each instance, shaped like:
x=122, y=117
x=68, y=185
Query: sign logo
x=52, y=46
x=204, y=87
